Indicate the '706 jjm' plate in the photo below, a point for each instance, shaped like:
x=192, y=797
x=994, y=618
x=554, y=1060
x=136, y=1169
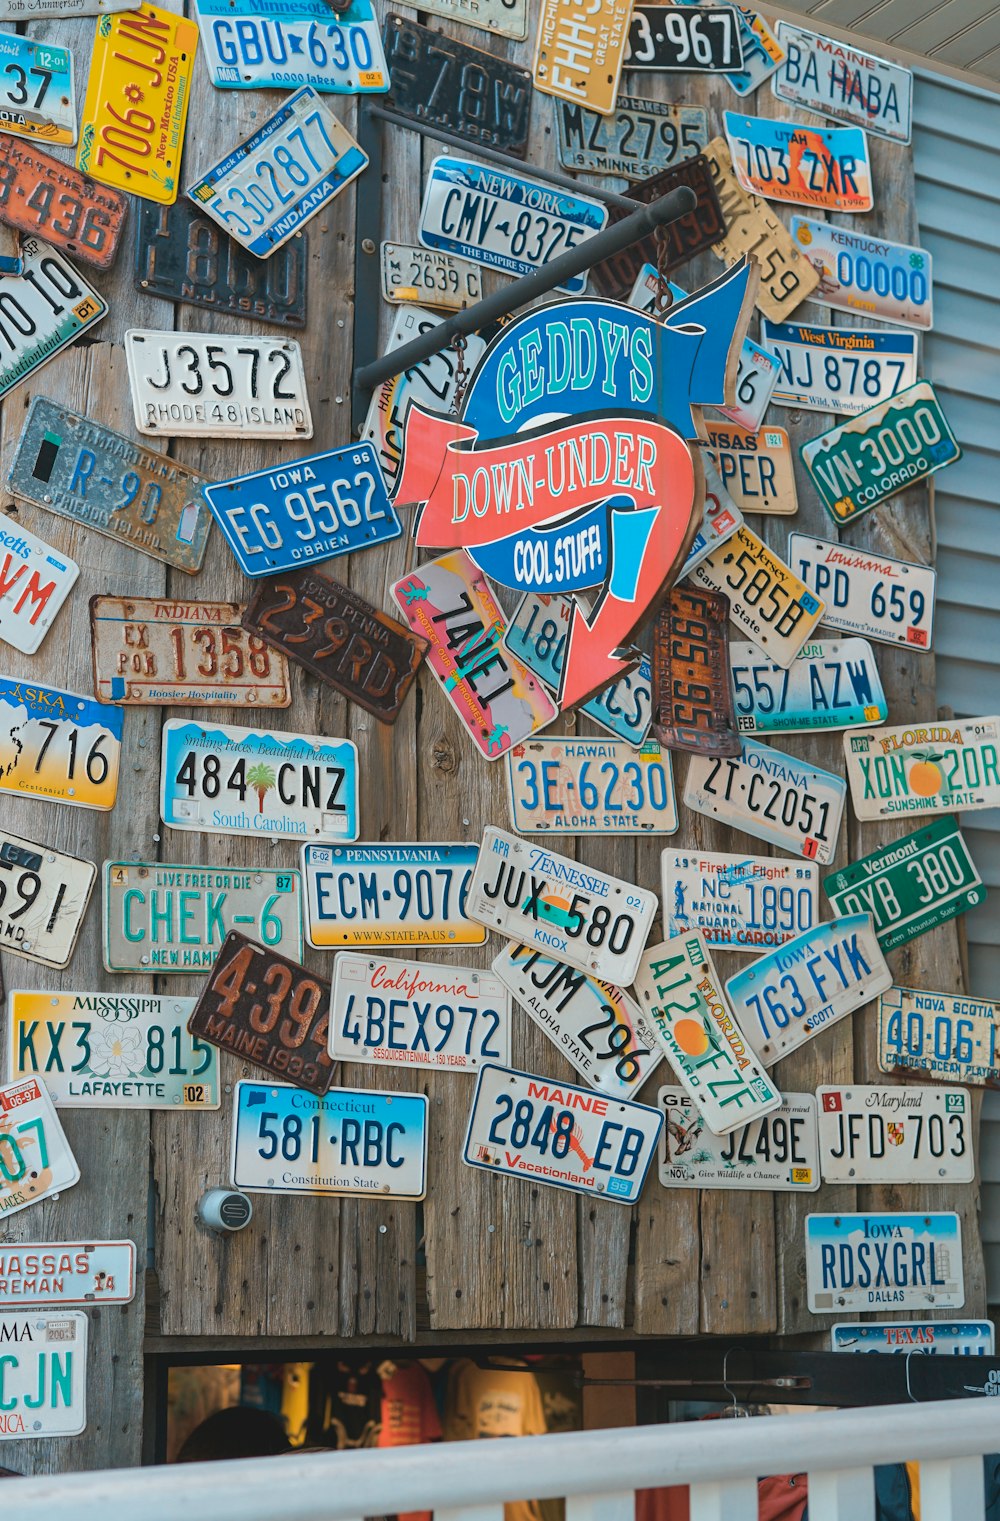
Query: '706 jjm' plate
x=590, y=786
x=217, y=385
x=772, y=796
x=58, y=745
x=832, y=684
x=891, y=601
x=43, y=898
x=738, y=903
x=37, y=1158
x=362, y=895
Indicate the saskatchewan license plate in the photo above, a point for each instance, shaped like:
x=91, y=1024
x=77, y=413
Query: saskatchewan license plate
x=545, y=1132
x=945, y=1037
x=36, y=1155
x=362, y=895
x=42, y=311
x=35, y=581
x=866, y=1262
x=866, y=274
x=773, y=796
x=458, y=89
x=766, y=598
x=105, y=1051
x=272, y=45
x=947, y=767
x=51, y=1356
x=351, y=1141
x=639, y=138
x=956, y=1338
x=410, y=273
x=672, y=37
x=838, y=369
x=898, y=1135
x=829, y=77
x=581, y=63
x=43, y=898
x=778, y=1152
x=37, y=95
x=757, y=468
x=56, y=1273
x=832, y=684
x=801, y=165
x=214, y=385
x=225, y=780
x=40, y=194
x=738, y=903
x=867, y=593
x=590, y=786
x=58, y=745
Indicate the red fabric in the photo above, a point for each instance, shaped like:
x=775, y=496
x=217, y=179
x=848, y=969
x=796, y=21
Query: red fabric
x=779, y=1499
x=409, y=1415
x=663, y=1504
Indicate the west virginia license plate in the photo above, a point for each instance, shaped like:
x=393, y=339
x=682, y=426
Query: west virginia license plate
x=895, y=1135
x=37, y=94
x=58, y=745
x=773, y=796
x=957, y=1338
x=214, y=385
x=590, y=786
x=42, y=311
x=40, y=194
x=947, y=767
x=756, y=468
x=864, y=1262
x=866, y=274
x=418, y=274
x=271, y=45
x=805, y=166
x=778, y=1152
x=830, y=77
x=864, y=592
x=832, y=684
x=399, y=895
x=459, y=89
x=35, y=581
x=639, y=138
x=37, y=1161
x=52, y=1354
x=43, y=898
x=945, y=1037
x=581, y=63
x=738, y=903
x=766, y=598
x=672, y=37
x=838, y=369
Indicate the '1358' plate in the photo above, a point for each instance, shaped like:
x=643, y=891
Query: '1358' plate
x=590, y=786
x=213, y=385
x=43, y=898
x=832, y=684
x=389, y=895
x=772, y=796
x=891, y=601
x=273, y=45
x=738, y=903
x=58, y=745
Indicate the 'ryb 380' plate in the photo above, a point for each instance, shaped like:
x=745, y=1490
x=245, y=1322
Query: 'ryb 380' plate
x=942, y=1036
x=459, y=89
x=738, y=903
x=949, y=766
x=639, y=138
x=772, y=796
x=42, y=310
x=43, y=898
x=389, y=895
x=213, y=385
x=895, y=1135
x=833, y=684
x=766, y=598
x=37, y=95
x=40, y=194
x=866, y=593
x=838, y=369
x=778, y=1152
x=834, y=79
x=34, y=583
x=590, y=786
x=277, y=44
x=58, y=745
x=37, y=1158
x=864, y=273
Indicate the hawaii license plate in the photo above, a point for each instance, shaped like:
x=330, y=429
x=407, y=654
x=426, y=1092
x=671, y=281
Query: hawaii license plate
x=801, y=165
x=864, y=592
x=898, y=1135
x=43, y=898
x=947, y=767
x=944, y=1037
x=738, y=903
x=766, y=598
x=274, y=45
x=863, y=273
x=581, y=63
x=58, y=745
x=45, y=1385
x=832, y=684
x=837, y=369
x=778, y=1152
x=400, y=895
x=671, y=37
x=410, y=273
x=590, y=786
x=457, y=89
x=56, y=1273
x=216, y=385
x=639, y=138
x=37, y=95
x=862, y=1262
x=693, y=699
x=41, y=195
x=832, y=78
x=958, y=1338
x=36, y=1155
x=35, y=581
x=756, y=468
x=773, y=796
x=42, y=310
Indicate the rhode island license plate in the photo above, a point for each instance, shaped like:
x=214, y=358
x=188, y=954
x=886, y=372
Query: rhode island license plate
x=867, y=1262
x=738, y=903
x=832, y=684
x=838, y=369
x=215, y=385
x=58, y=745
x=771, y=795
x=778, y=1152
x=274, y=45
x=756, y=468
x=38, y=1161
x=43, y=898
x=829, y=77
x=891, y=601
x=869, y=1134
x=766, y=598
x=806, y=166
x=362, y=895
x=866, y=274
x=51, y=1353
x=944, y=1037
x=590, y=786
x=37, y=95
x=639, y=138
x=947, y=767
x=35, y=581
x=42, y=310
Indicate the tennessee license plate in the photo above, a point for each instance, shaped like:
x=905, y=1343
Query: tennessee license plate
x=35, y=581
x=837, y=369
x=638, y=138
x=957, y=1338
x=40, y=194
x=867, y=593
x=410, y=273
x=832, y=684
x=37, y=94
x=896, y=1135
x=756, y=468
x=362, y=895
x=945, y=1037
x=53, y=1354
x=581, y=63
x=37, y=1158
x=463, y=90
x=947, y=767
x=58, y=745
x=271, y=45
x=800, y=165
x=778, y=1152
x=214, y=385
x=771, y=795
x=42, y=311
x=56, y=1273
x=590, y=786
x=865, y=1262
x=766, y=598
x=866, y=274
x=672, y=37
x=832, y=78
x=693, y=695
x=738, y=903
x=43, y=898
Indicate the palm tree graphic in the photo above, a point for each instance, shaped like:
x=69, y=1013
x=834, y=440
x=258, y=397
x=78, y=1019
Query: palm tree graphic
x=262, y=778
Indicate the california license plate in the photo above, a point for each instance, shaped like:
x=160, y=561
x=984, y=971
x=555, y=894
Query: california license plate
x=865, y=1262
x=590, y=786
x=35, y=581
x=216, y=385
x=832, y=684
x=165, y=919
x=399, y=895
x=865, y=592
x=738, y=903
x=801, y=165
x=640, y=137
x=773, y=796
x=225, y=780
x=778, y=1152
x=417, y=274
x=40, y=194
x=58, y=745
x=673, y=37
x=458, y=89
x=506, y=18
x=42, y=311
x=45, y=1385
x=693, y=697
x=43, y=898
x=37, y=1161
x=37, y=94
x=767, y=600
x=56, y=1273
x=944, y=1037
x=864, y=273
x=895, y=1135
x=273, y=45
x=581, y=63
x=756, y=468
x=958, y=1338
x=933, y=768
x=837, y=369
x=832, y=78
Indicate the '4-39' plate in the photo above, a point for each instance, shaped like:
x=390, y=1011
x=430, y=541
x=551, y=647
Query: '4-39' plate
x=37, y=1158
x=389, y=895
x=864, y=592
x=773, y=796
x=778, y=1152
x=213, y=385
x=738, y=903
x=58, y=745
x=590, y=786
x=277, y=44
x=832, y=684
x=895, y=1135
x=43, y=898
x=37, y=96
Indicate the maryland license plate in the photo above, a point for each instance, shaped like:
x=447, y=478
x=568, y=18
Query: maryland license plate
x=458, y=89
x=838, y=369
x=639, y=138
x=863, y=273
x=216, y=385
x=42, y=311
x=757, y=468
x=961, y=1338
x=43, y=898
x=943, y=1037
x=56, y=1273
x=399, y=895
x=779, y=1152
x=864, y=1262
x=773, y=796
x=766, y=598
x=676, y=38
x=738, y=903
x=864, y=592
x=581, y=63
x=832, y=684
x=273, y=45
x=58, y=745
x=417, y=274
x=37, y=95
x=693, y=698
x=801, y=165
x=895, y=1135
x=590, y=786
x=37, y=1161
x=35, y=581
x=45, y=1385
x=41, y=195
x=935, y=768
x=830, y=77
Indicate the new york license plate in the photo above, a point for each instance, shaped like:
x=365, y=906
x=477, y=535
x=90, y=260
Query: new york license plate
x=463, y=90
x=37, y=94
x=864, y=592
x=581, y=63
x=934, y=768
x=271, y=45
x=37, y=1161
x=778, y=1152
x=672, y=37
x=945, y=1037
x=956, y=1338
x=832, y=684
x=590, y=786
x=43, y=898
x=35, y=581
x=56, y=1273
x=42, y=310
x=830, y=77
x=738, y=903
x=214, y=385
x=756, y=468
x=40, y=194
x=58, y=745
x=806, y=166
x=866, y=1262
x=771, y=795
x=51, y=1356
x=362, y=895
x=417, y=274
x=867, y=274
x=767, y=600
x=639, y=138
x=869, y=1134
x=837, y=369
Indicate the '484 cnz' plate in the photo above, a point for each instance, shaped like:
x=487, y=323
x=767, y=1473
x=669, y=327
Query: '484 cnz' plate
x=58, y=745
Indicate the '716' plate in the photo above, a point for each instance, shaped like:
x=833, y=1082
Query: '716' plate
x=277, y=44
x=590, y=786
x=37, y=1158
x=838, y=369
x=766, y=598
x=944, y=1037
x=778, y=1152
x=899, y=1135
x=738, y=903
x=866, y=592
x=361, y=895
x=43, y=898
x=213, y=385
x=771, y=795
x=58, y=745
x=832, y=684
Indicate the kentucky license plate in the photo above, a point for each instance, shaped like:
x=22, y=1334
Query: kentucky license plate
x=216, y=385
x=864, y=592
x=948, y=767
x=37, y=94
x=673, y=37
x=738, y=903
x=463, y=90
x=766, y=598
x=773, y=796
x=55, y=1273
x=864, y=1262
x=944, y=1037
x=43, y=898
x=863, y=273
x=828, y=76
x=41, y=195
x=778, y=1152
x=756, y=468
x=274, y=45
x=959, y=1338
x=37, y=1161
x=801, y=165
x=410, y=273
x=639, y=138
x=581, y=63
x=45, y=1385
x=35, y=581
x=832, y=684
x=400, y=895
x=836, y=369
x=42, y=311
x=895, y=1135
x=590, y=786
x=58, y=745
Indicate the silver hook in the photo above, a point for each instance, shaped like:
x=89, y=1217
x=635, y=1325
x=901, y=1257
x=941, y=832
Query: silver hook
x=906, y=1370
x=735, y=1409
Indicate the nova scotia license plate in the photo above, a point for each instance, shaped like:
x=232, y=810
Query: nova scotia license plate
x=866, y=274
x=639, y=138
x=891, y=601
x=43, y=898
x=52, y=1351
x=37, y=95
x=773, y=796
x=37, y=1158
x=41, y=195
x=866, y=1262
x=590, y=786
x=58, y=745
x=957, y=1338
x=273, y=45
x=778, y=1152
x=410, y=273
x=399, y=895
x=738, y=903
x=934, y=768
x=806, y=166
x=830, y=77
x=766, y=598
x=42, y=311
x=35, y=581
x=942, y=1037
x=895, y=1135
x=214, y=385
x=466, y=91
x=832, y=684
x=581, y=63
x=838, y=369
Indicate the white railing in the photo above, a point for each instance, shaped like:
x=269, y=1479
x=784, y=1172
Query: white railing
x=596, y=1471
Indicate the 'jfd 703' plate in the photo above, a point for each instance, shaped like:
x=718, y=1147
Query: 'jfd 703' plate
x=933, y=769
x=778, y=1152
x=34, y=583
x=58, y=745
x=947, y=1037
x=217, y=385
x=891, y=601
x=42, y=310
x=590, y=786
x=895, y=1135
x=766, y=598
x=738, y=903
x=832, y=684
x=43, y=898
x=362, y=895
x=772, y=796
x=37, y=1158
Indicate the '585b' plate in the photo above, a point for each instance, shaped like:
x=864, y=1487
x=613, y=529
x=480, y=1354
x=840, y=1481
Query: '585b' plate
x=590, y=786
x=766, y=598
x=58, y=745
x=773, y=796
x=891, y=601
x=43, y=898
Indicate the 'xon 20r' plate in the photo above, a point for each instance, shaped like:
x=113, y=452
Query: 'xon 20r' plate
x=932, y=768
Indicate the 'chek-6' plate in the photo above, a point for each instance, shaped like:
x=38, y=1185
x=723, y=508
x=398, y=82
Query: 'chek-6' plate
x=861, y=1262
x=839, y=369
x=832, y=684
x=639, y=138
x=807, y=166
x=866, y=274
x=35, y=1149
x=672, y=37
x=778, y=1152
x=957, y=1338
x=40, y=194
x=58, y=745
x=42, y=310
x=399, y=895
x=771, y=795
x=946, y=1037
x=275, y=45
x=767, y=600
x=891, y=601
x=934, y=769
x=738, y=903
x=43, y=898
x=581, y=63
x=833, y=79
x=35, y=581
x=37, y=94
x=692, y=695
x=216, y=385
x=410, y=273
x=756, y=468
x=895, y=1135
x=459, y=89
x=590, y=786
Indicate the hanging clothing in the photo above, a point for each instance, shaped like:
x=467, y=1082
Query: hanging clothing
x=485, y=1403
x=349, y=1406
x=409, y=1415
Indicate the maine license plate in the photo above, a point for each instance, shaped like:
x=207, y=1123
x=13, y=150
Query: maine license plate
x=674, y=37
x=864, y=592
x=766, y=598
x=864, y=1262
x=837, y=369
x=37, y=1158
x=590, y=786
x=217, y=385
x=108, y=1051
x=738, y=903
x=593, y=921
x=273, y=45
x=225, y=780
x=947, y=767
x=945, y=1037
x=79, y=469
x=45, y=1385
x=596, y=1025
x=58, y=745
x=458, y=89
x=351, y=1141
x=42, y=310
x=825, y=75
x=757, y=468
x=778, y=1152
x=802, y=165
x=417, y=1014
x=37, y=95
x=172, y=920
x=399, y=895
x=773, y=796
x=869, y=1134
x=693, y=698
x=581, y=63
x=40, y=194
x=505, y=221
x=410, y=273
x=832, y=684
x=639, y=138
x=867, y=275
x=43, y=898
x=960, y=1338
x=35, y=581
x=546, y=1132
x=910, y=885
x=56, y=1273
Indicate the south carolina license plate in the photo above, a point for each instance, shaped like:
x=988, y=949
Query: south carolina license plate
x=756, y=468
x=214, y=385
x=590, y=786
x=37, y=1161
x=274, y=45
x=832, y=684
x=43, y=898
x=389, y=895
x=35, y=581
x=838, y=369
x=831, y=78
x=778, y=1152
x=738, y=903
x=639, y=138
x=581, y=63
x=895, y=1135
x=773, y=796
x=42, y=310
x=458, y=89
x=806, y=166
x=40, y=194
x=417, y=274
x=51, y=1354
x=862, y=1262
x=945, y=1037
x=864, y=273
x=935, y=768
x=57, y=1273
x=670, y=37
x=891, y=601
x=37, y=95
x=962, y=1338
x=58, y=745
x=766, y=598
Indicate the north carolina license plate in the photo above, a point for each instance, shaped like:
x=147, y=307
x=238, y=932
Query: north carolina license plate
x=590, y=786
x=410, y=273
x=947, y=767
x=595, y=1025
x=40, y=194
x=274, y=45
x=801, y=165
x=216, y=385
x=417, y=1014
x=581, y=63
x=58, y=745
x=351, y=1141
x=863, y=273
x=111, y=1051
x=738, y=903
x=778, y=1152
x=506, y=18
x=616, y=275
x=639, y=138
x=756, y=468
x=42, y=311
x=55, y=1273
x=456, y=88
x=673, y=37
x=830, y=77
x=546, y=1132
x=225, y=780
x=51, y=1356
x=961, y=1338
x=832, y=684
x=164, y=919
x=399, y=895
x=945, y=1037
x=37, y=95
x=837, y=369
x=869, y=1134
x=35, y=581
x=863, y=1262
x=773, y=796
x=767, y=600
x=43, y=898
x=864, y=592
x=692, y=694
x=37, y=1161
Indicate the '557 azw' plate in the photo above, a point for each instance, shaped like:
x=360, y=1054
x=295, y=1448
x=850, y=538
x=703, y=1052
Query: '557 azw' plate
x=833, y=684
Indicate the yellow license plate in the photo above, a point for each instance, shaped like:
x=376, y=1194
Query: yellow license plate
x=137, y=101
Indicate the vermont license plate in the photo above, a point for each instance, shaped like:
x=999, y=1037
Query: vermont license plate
x=866, y=274
x=756, y=468
x=42, y=311
x=35, y=581
x=217, y=385
x=692, y=696
x=837, y=369
x=463, y=90
x=273, y=45
x=58, y=745
x=639, y=138
x=37, y=1161
x=964, y=1338
x=43, y=898
x=864, y=592
x=361, y=895
x=51, y=1356
x=673, y=37
x=945, y=1037
x=895, y=1135
x=801, y=165
x=773, y=796
x=863, y=1262
x=738, y=903
x=40, y=194
x=56, y=1273
x=417, y=274
x=590, y=786
x=778, y=1152
x=830, y=77
x=832, y=684
x=767, y=600
x=948, y=767
x=581, y=63
x=37, y=95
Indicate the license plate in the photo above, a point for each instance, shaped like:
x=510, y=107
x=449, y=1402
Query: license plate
x=40, y=194
x=352, y=1141
x=825, y=75
x=43, y=898
x=722, y=518
x=105, y=1051
x=356, y=649
x=945, y=1037
x=595, y=1025
x=674, y=37
x=756, y=468
x=911, y=885
x=417, y=1014
x=891, y=601
x=225, y=780
x=164, y=919
x=42, y=311
x=895, y=1135
x=697, y=230
x=762, y=52
x=833, y=684
x=738, y=903
x=274, y=45
x=37, y=95
x=590, y=786
x=778, y=1152
x=693, y=699
x=772, y=796
x=766, y=598
x=505, y=18
x=682, y=993
x=52, y=1357
x=581, y=63
x=262, y=200
x=79, y=469
x=836, y=369
x=37, y=1160
x=459, y=89
x=58, y=745
x=499, y=701
x=417, y=274
x=966, y=1338
x=13, y=10
x=868, y=459
x=638, y=139
x=861, y=1262
x=943, y=767
x=361, y=895
x=792, y=993
x=263, y=394
x=866, y=274
x=35, y=581
x=55, y=1273
x=545, y=1132
x=593, y=921
x=158, y=48
x=801, y=165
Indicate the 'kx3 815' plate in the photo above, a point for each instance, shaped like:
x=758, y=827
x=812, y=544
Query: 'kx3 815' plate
x=580, y=62
x=778, y=1152
x=42, y=310
x=945, y=1037
x=40, y=1162
x=832, y=684
x=278, y=44
x=399, y=895
x=590, y=786
x=838, y=369
x=43, y=898
x=692, y=694
x=34, y=583
x=638, y=139
x=37, y=93
x=41, y=195
x=466, y=91
x=866, y=593
x=766, y=598
x=58, y=745
x=738, y=903
x=773, y=796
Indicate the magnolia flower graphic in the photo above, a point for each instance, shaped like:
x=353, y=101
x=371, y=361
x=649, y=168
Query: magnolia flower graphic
x=116, y=1053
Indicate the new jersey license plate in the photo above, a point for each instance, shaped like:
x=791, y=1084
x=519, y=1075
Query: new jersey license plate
x=640, y=137
x=41, y=195
x=58, y=745
x=757, y=468
x=43, y=898
x=51, y=1356
x=838, y=369
x=42, y=311
x=771, y=795
x=37, y=1158
x=37, y=94
x=944, y=1037
x=673, y=37
x=215, y=385
x=830, y=77
x=590, y=786
x=399, y=895
x=956, y=1338
x=864, y=592
x=271, y=45
x=766, y=598
x=869, y=1134
x=581, y=63
x=692, y=694
x=56, y=1273
x=35, y=581
x=459, y=89
x=738, y=903
x=864, y=273
x=805, y=166
x=417, y=274
x=868, y=1262
x=933, y=768
x=778, y=1152
x=832, y=684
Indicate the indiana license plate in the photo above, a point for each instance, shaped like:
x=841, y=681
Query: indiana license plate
x=945, y=1037
x=686, y=236
x=801, y=165
x=863, y=273
x=58, y=745
x=42, y=311
x=52, y=1357
x=506, y=18
x=830, y=77
x=37, y=94
x=41, y=195
x=216, y=385
x=417, y=274
x=832, y=684
x=693, y=698
x=37, y=1159
x=778, y=1152
x=935, y=768
x=638, y=138
x=773, y=796
x=56, y=1273
x=864, y=592
x=756, y=468
x=225, y=780
x=895, y=1135
x=590, y=786
x=581, y=63
x=35, y=581
x=674, y=37
x=767, y=600
x=957, y=1338
x=43, y=898
x=272, y=45
x=456, y=88
x=738, y=903
x=865, y=1262
x=400, y=895
x=836, y=369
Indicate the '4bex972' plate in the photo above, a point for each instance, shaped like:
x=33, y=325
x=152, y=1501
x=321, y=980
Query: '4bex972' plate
x=766, y=598
x=771, y=795
x=58, y=745
x=864, y=592
x=738, y=903
x=590, y=786
x=43, y=898
x=399, y=895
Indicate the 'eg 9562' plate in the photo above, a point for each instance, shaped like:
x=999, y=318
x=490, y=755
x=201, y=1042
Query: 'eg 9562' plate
x=362, y=895
x=590, y=786
x=216, y=385
x=43, y=898
x=58, y=745
x=771, y=795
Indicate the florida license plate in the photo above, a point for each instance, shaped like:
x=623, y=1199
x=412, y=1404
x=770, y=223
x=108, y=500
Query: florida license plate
x=272, y=45
x=215, y=385
x=41, y=195
x=37, y=94
x=801, y=165
x=778, y=1152
x=773, y=796
x=58, y=745
x=837, y=369
x=757, y=468
x=830, y=77
x=43, y=898
x=459, y=89
x=37, y=1159
x=57, y=1273
x=417, y=274
x=738, y=903
x=867, y=593
x=867, y=1262
x=895, y=1135
x=863, y=273
x=42, y=311
x=677, y=38
x=693, y=697
x=399, y=895
x=638, y=138
x=944, y=1037
x=832, y=684
x=947, y=767
x=956, y=1338
x=767, y=600
x=52, y=1357
x=35, y=581
x=581, y=63
x=590, y=786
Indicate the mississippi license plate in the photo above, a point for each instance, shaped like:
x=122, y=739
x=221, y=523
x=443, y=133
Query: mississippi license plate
x=836, y=369
x=801, y=165
x=773, y=796
x=351, y=1141
x=42, y=311
x=639, y=138
x=410, y=273
x=692, y=696
x=581, y=63
x=778, y=1152
x=596, y=1025
x=362, y=895
x=891, y=601
x=863, y=1262
x=866, y=274
x=268, y=186
x=35, y=581
x=690, y=234
x=40, y=194
x=895, y=1135
x=36, y=1155
x=674, y=37
x=964, y=1338
x=506, y=18
x=545, y=1132
x=417, y=1014
x=55, y=1273
x=225, y=780
x=164, y=919
x=52, y=1357
x=590, y=786
x=756, y=468
x=593, y=921
x=945, y=1037
x=214, y=385
x=456, y=88
x=911, y=885
x=767, y=600
x=738, y=903
x=79, y=469
x=37, y=95
x=273, y=45
x=58, y=745
x=948, y=767
x=43, y=898
x=832, y=684
x=825, y=75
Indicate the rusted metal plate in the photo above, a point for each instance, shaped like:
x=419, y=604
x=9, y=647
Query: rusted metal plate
x=689, y=235
x=40, y=194
x=692, y=694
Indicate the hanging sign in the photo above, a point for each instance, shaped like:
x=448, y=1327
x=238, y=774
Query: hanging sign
x=37, y=1158
x=867, y=593
x=692, y=693
x=800, y=165
x=839, y=369
x=738, y=903
x=832, y=684
x=864, y=273
x=862, y=1262
x=57, y=1273
x=832, y=78
x=44, y=1369
x=639, y=138
x=934, y=768
x=773, y=796
x=943, y=1037
x=756, y=468
x=579, y=59
x=779, y=1152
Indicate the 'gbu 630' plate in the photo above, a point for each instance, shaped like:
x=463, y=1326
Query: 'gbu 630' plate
x=773, y=796
x=778, y=1152
x=931, y=768
x=278, y=44
x=832, y=684
x=738, y=903
x=58, y=745
x=944, y=1037
x=399, y=895
x=43, y=898
x=41, y=195
x=867, y=593
x=766, y=598
x=590, y=786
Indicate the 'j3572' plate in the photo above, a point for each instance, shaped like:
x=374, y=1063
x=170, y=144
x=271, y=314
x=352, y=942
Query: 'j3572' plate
x=58, y=745
x=216, y=385
x=275, y=45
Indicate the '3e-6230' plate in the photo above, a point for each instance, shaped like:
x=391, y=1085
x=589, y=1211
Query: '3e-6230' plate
x=590, y=786
x=41, y=195
x=43, y=898
x=692, y=696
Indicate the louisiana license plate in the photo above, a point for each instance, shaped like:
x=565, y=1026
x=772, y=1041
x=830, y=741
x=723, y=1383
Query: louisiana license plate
x=837, y=369
x=778, y=1152
x=944, y=1037
x=37, y=95
x=832, y=684
x=756, y=468
x=957, y=1338
x=56, y=1273
x=41, y=195
x=417, y=274
x=35, y=581
x=895, y=1135
x=692, y=695
x=362, y=895
x=43, y=898
x=947, y=767
x=867, y=275
x=738, y=903
x=766, y=598
x=42, y=311
x=832, y=78
x=773, y=796
x=459, y=89
x=590, y=786
x=864, y=592
x=673, y=37
x=37, y=1161
x=865, y=1262
x=274, y=45
x=638, y=139
x=58, y=745
x=214, y=385
x=581, y=63
x=801, y=165
x=52, y=1357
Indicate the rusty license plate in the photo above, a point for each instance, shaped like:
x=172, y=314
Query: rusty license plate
x=786, y=275
x=692, y=692
x=463, y=90
x=689, y=235
x=40, y=195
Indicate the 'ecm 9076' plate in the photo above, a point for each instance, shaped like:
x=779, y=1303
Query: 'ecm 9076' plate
x=214, y=385
x=766, y=598
x=778, y=1152
x=466, y=91
x=895, y=1135
x=891, y=601
x=58, y=745
x=43, y=898
x=277, y=44
x=772, y=796
x=832, y=684
x=946, y=1037
x=640, y=138
x=42, y=310
x=738, y=903
x=590, y=786
x=943, y=767
x=40, y=194
x=363, y=895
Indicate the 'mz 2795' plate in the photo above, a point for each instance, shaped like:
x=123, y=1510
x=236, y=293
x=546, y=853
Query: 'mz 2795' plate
x=459, y=89
x=864, y=592
x=944, y=1037
x=58, y=745
x=771, y=795
x=830, y=77
x=278, y=44
x=42, y=310
x=362, y=895
x=778, y=1152
x=766, y=598
x=932, y=768
x=216, y=385
x=43, y=898
x=590, y=786
x=838, y=369
x=640, y=137
x=738, y=903
x=35, y=581
x=832, y=684
x=37, y=95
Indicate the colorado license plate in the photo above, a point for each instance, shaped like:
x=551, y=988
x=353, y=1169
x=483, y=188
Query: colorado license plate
x=756, y=468
x=56, y=1273
x=836, y=369
x=863, y=1262
x=590, y=786
x=58, y=745
x=832, y=684
x=805, y=166
x=458, y=89
x=361, y=895
x=672, y=37
x=957, y=1338
x=891, y=601
x=273, y=45
x=864, y=273
x=895, y=1135
x=37, y=95
x=35, y=581
x=45, y=1385
x=639, y=138
x=33, y=1144
x=945, y=1037
x=778, y=1152
x=693, y=697
x=581, y=63
x=43, y=898
x=834, y=79
x=214, y=385
x=938, y=768
x=42, y=311
x=773, y=796
x=410, y=273
x=40, y=194
x=766, y=598
x=738, y=903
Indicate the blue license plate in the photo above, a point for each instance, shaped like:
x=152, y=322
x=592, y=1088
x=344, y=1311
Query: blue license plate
x=884, y=1262
x=863, y=272
x=282, y=44
x=832, y=684
x=838, y=369
x=931, y=1338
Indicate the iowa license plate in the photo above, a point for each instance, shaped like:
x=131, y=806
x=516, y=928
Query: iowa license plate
x=832, y=684
x=418, y=274
x=778, y=1152
x=56, y=1273
x=692, y=696
x=866, y=274
x=738, y=903
x=830, y=77
x=756, y=468
x=45, y=1384
x=948, y=767
x=771, y=795
x=676, y=38
x=891, y=601
x=42, y=311
x=869, y=1134
x=58, y=745
x=37, y=1158
x=40, y=194
x=804, y=166
x=590, y=786
x=389, y=895
x=581, y=63
x=43, y=898
x=766, y=598
x=37, y=94
x=207, y=385
x=865, y=1262
x=637, y=139
x=944, y=1037
x=458, y=89
x=837, y=369
x=957, y=1338
x=272, y=45
x=35, y=581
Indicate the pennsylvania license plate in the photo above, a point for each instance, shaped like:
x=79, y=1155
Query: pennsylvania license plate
x=947, y=767
x=944, y=1037
x=590, y=786
x=274, y=45
x=837, y=369
x=43, y=898
x=581, y=63
x=778, y=1152
x=546, y=1132
x=895, y=1135
x=832, y=684
x=693, y=697
x=399, y=895
x=40, y=194
x=36, y=1155
x=417, y=274
x=865, y=1262
x=51, y=1353
x=738, y=903
x=463, y=90
x=42, y=311
x=214, y=385
x=773, y=796
x=55, y=1273
x=825, y=75
x=35, y=581
x=672, y=37
x=225, y=780
x=957, y=1338
x=58, y=745
x=800, y=165
x=37, y=95
x=866, y=274
x=756, y=468
x=766, y=598
x=639, y=138
x=506, y=18
x=891, y=601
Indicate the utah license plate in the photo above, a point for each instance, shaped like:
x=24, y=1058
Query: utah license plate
x=864, y=273
x=274, y=45
x=773, y=796
x=456, y=88
x=43, y=898
x=639, y=138
x=766, y=598
x=58, y=745
x=56, y=1273
x=36, y=1155
x=37, y=94
x=864, y=1262
x=832, y=684
x=869, y=1134
x=837, y=369
x=672, y=37
x=42, y=311
x=40, y=194
x=947, y=767
x=581, y=63
x=805, y=166
x=51, y=1355
x=945, y=1037
x=216, y=385
x=738, y=903
x=361, y=895
x=830, y=77
x=956, y=1338
x=590, y=786
x=410, y=273
x=35, y=581
x=864, y=592
x=778, y=1152
x=756, y=468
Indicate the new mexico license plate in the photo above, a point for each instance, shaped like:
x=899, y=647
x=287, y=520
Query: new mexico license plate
x=42, y=310
x=891, y=601
x=40, y=194
x=43, y=898
x=838, y=369
x=417, y=274
x=639, y=138
x=865, y=1262
x=389, y=895
x=756, y=468
x=806, y=166
x=56, y=1273
x=273, y=45
x=778, y=1152
x=738, y=903
x=949, y=767
x=45, y=1384
x=581, y=63
x=831, y=78
x=37, y=1161
x=963, y=1338
x=772, y=796
x=215, y=385
x=895, y=1135
x=832, y=684
x=37, y=95
x=35, y=581
x=766, y=598
x=58, y=745
x=945, y=1037
x=590, y=786
x=866, y=274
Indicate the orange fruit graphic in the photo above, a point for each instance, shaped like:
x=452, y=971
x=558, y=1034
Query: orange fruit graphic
x=925, y=778
x=691, y=1036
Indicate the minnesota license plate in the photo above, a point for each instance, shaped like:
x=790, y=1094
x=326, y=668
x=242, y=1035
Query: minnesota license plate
x=417, y=1014
x=756, y=468
x=891, y=601
x=944, y=1037
x=581, y=63
x=692, y=696
x=895, y=1135
x=865, y=1262
x=545, y=1132
x=58, y=745
x=362, y=895
x=778, y=1152
x=866, y=274
x=911, y=885
x=351, y=1141
x=590, y=786
x=766, y=598
x=164, y=919
x=639, y=138
x=595, y=1025
x=674, y=37
x=40, y=194
x=273, y=45
x=37, y=95
x=55, y=1273
x=79, y=469
x=738, y=903
x=773, y=796
x=935, y=768
x=506, y=18
x=801, y=165
x=616, y=275
x=459, y=89
x=42, y=311
x=214, y=385
x=837, y=369
x=43, y=898
x=35, y=581
x=830, y=77
x=33, y=1144
x=268, y=186
x=109, y=1051
x=51, y=1356
x=225, y=780
x=417, y=274
x=963, y=1338
x=832, y=684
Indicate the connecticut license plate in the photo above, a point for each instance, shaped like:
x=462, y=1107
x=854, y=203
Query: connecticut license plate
x=417, y=274
x=458, y=89
x=778, y=1152
x=945, y=1037
x=273, y=45
x=56, y=1273
x=865, y=1262
x=581, y=63
x=43, y=898
x=35, y=581
x=766, y=598
x=832, y=684
x=936, y=768
x=37, y=94
x=834, y=79
x=804, y=166
x=590, y=786
x=37, y=1158
x=672, y=37
x=40, y=194
x=738, y=903
x=639, y=138
x=838, y=369
x=42, y=311
x=866, y=274
x=756, y=468
x=58, y=745
x=773, y=796
x=957, y=1338
x=51, y=1355
x=214, y=385
x=895, y=1135
x=891, y=601
x=400, y=895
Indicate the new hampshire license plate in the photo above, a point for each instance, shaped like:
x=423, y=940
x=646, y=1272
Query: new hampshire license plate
x=399, y=895
x=58, y=745
x=590, y=786
x=891, y=601
x=738, y=903
x=43, y=898
x=943, y=1037
x=778, y=1152
x=772, y=796
x=832, y=684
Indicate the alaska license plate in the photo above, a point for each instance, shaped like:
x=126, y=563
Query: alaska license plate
x=801, y=165
x=616, y=275
x=42, y=311
x=738, y=903
x=866, y=1262
x=45, y=1385
x=863, y=273
x=37, y=94
x=773, y=796
x=417, y=274
x=867, y=593
x=943, y=1037
x=224, y=780
x=58, y=745
x=37, y=1161
x=957, y=1338
x=832, y=684
x=399, y=895
x=757, y=468
x=43, y=898
x=895, y=1135
x=677, y=38
x=933, y=768
x=56, y=1273
x=832, y=78
x=581, y=63
x=41, y=195
x=767, y=600
x=778, y=1152
x=692, y=694
x=216, y=385
x=639, y=138
x=274, y=45
x=35, y=581
x=459, y=89
x=590, y=786
x=837, y=369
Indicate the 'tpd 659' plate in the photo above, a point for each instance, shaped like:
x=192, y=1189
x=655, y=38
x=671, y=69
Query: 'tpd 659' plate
x=389, y=895
x=39, y=194
x=58, y=745
x=738, y=903
x=692, y=694
x=34, y=583
x=928, y=769
x=773, y=796
x=214, y=385
x=43, y=898
x=459, y=89
x=766, y=598
x=895, y=1135
x=42, y=310
x=946, y=1037
x=590, y=786
x=277, y=44
x=778, y=1152
x=640, y=137
x=37, y=94
x=891, y=601
x=39, y=1161
x=832, y=684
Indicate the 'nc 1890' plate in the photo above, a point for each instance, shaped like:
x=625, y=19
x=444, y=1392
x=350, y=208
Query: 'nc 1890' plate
x=778, y=1152
x=42, y=310
x=37, y=95
x=362, y=895
x=864, y=1262
x=36, y=1151
x=839, y=369
x=216, y=385
x=590, y=786
x=896, y=1135
x=930, y=768
x=766, y=598
x=832, y=78
x=278, y=44
x=807, y=166
x=832, y=684
x=864, y=273
x=58, y=745
x=738, y=903
x=944, y=1037
x=641, y=137
x=867, y=593
x=771, y=795
x=35, y=581
x=43, y=898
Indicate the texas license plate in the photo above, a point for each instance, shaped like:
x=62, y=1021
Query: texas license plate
x=957, y=1338
x=836, y=369
x=801, y=165
x=268, y=186
x=164, y=919
x=865, y=1262
x=37, y=1161
x=37, y=95
x=686, y=236
x=639, y=138
x=738, y=903
x=42, y=311
x=506, y=18
x=546, y=1132
x=35, y=581
x=773, y=796
x=56, y=1273
x=864, y=592
x=693, y=698
x=361, y=895
x=581, y=63
x=225, y=780
x=40, y=194
x=43, y=898
x=673, y=37
x=456, y=88
x=216, y=385
x=58, y=745
x=864, y=273
x=832, y=684
x=778, y=1152
x=410, y=273
x=417, y=1014
x=52, y=1357
x=79, y=469
x=946, y=767
x=756, y=468
x=352, y=1141
x=830, y=77
x=897, y=1135
x=945, y=1037
x=274, y=45
x=590, y=786
x=766, y=598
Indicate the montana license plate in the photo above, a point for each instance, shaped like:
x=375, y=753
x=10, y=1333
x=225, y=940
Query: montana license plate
x=738, y=903
x=778, y=1152
x=399, y=895
x=828, y=76
x=216, y=385
x=865, y=1262
x=934, y=768
x=37, y=1161
x=867, y=275
x=895, y=1135
x=462, y=90
x=56, y=1273
x=581, y=63
x=832, y=684
x=677, y=38
x=766, y=598
x=35, y=581
x=42, y=311
x=43, y=898
x=757, y=468
x=590, y=786
x=45, y=1385
x=275, y=45
x=58, y=745
x=804, y=166
x=839, y=369
x=37, y=94
x=864, y=592
x=417, y=274
x=639, y=138
x=41, y=195
x=943, y=1037
x=956, y=1338
x=692, y=693
x=773, y=796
